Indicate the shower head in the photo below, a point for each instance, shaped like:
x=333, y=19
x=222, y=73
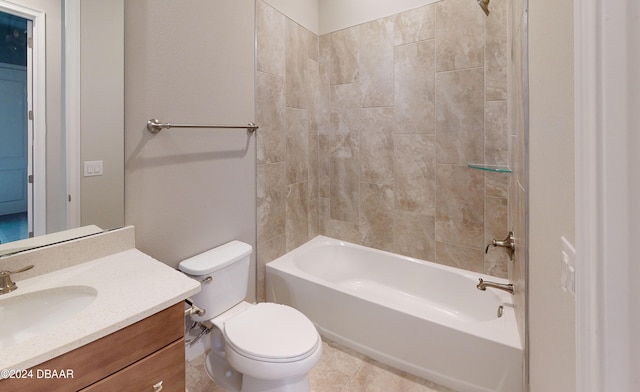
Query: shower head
x=484, y=4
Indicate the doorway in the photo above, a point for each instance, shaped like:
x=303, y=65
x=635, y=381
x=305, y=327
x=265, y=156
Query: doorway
x=16, y=187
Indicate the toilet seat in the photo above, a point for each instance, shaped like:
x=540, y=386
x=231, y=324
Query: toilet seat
x=269, y=332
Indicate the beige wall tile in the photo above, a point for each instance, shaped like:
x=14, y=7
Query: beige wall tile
x=470, y=259
x=496, y=133
x=460, y=209
x=312, y=165
x=414, y=235
x=271, y=26
x=324, y=87
x=496, y=51
x=313, y=45
x=323, y=216
x=345, y=146
x=376, y=216
x=361, y=156
x=497, y=184
x=314, y=218
x=325, y=144
x=460, y=35
x=297, y=125
x=344, y=56
x=271, y=207
x=460, y=116
x=414, y=90
x=296, y=66
x=324, y=49
x=271, y=141
x=376, y=63
x=415, y=173
x=344, y=189
x=344, y=117
x=345, y=231
x=297, y=221
x=313, y=95
x=415, y=25
x=376, y=145
x=288, y=110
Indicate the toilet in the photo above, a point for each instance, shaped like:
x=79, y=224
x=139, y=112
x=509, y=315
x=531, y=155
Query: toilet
x=262, y=347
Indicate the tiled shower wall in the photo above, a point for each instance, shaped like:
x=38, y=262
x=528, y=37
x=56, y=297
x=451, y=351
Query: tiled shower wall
x=287, y=105
x=519, y=181
x=366, y=133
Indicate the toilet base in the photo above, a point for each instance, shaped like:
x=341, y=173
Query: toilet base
x=296, y=384
x=231, y=380
x=222, y=374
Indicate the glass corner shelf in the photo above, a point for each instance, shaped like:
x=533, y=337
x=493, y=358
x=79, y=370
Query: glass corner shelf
x=490, y=168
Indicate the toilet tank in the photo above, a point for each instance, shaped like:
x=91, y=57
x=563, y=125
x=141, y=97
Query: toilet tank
x=223, y=273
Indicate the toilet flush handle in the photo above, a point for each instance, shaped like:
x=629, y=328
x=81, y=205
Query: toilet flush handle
x=193, y=309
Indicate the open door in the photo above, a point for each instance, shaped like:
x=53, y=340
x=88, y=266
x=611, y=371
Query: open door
x=15, y=167
x=13, y=137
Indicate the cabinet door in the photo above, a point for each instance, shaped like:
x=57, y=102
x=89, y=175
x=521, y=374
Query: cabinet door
x=162, y=371
x=106, y=356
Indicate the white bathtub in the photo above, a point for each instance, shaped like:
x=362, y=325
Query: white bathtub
x=424, y=318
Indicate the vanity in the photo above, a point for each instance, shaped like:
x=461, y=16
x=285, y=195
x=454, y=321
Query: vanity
x=108, y=323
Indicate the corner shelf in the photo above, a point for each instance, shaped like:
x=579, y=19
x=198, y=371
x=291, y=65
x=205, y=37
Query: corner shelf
x=490, y=168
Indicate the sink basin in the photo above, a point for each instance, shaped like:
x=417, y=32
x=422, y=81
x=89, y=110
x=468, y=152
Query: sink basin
x=25, y=316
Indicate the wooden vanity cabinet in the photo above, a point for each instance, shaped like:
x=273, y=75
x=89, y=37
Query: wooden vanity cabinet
x=145, y=356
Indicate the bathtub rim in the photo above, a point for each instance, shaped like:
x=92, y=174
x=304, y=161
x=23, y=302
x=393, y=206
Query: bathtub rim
x=511, y=338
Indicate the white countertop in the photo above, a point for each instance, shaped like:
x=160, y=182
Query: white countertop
x=131, y=286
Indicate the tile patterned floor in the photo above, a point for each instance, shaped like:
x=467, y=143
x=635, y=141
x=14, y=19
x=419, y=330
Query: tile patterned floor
x=340, y=370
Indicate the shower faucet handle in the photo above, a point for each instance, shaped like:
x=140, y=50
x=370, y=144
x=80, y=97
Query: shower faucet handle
x=509, y=243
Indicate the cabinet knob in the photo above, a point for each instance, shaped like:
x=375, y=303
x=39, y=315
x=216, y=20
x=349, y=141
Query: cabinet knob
x=157, y=387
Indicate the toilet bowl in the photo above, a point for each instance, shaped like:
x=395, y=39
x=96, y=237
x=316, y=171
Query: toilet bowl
x=263, y=347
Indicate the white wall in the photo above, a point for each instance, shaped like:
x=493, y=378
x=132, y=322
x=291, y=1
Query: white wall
x=326, y=16
x=551, y=192
x=304, y=12
x=102, y=111
x=189, y=190
x=339, y=14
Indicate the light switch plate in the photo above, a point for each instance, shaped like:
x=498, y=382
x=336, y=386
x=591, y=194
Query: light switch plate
x=92, y=168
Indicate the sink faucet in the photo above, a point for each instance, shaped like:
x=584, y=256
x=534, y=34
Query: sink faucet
x=6, y=285
x=482, y=285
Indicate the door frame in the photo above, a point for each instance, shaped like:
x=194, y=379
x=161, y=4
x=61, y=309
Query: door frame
x=607, y=53
x=37, y=98
x=72, y=109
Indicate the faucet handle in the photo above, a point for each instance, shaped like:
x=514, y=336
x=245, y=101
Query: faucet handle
x=509, y=243
x=23, y=269
x=6, y=285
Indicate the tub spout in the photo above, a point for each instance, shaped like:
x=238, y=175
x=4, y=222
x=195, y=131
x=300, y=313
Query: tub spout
x=482, y=285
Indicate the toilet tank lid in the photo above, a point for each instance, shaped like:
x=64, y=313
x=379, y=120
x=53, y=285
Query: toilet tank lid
x=215, y=259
